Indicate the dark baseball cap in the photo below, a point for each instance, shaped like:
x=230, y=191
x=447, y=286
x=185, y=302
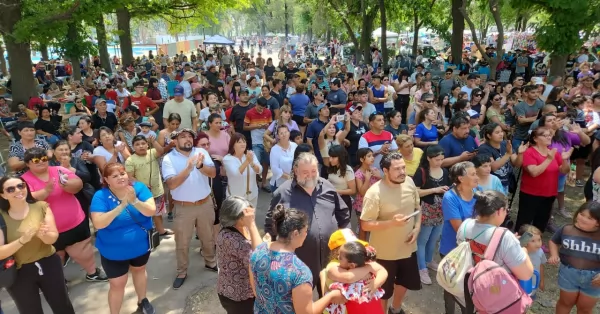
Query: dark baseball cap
x=178, y=91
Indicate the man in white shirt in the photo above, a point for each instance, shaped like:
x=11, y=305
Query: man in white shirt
x=186, y=170
x=471, y=84
x=122, y=93
x=186, y=84
x=184, y=107
x=210, y=62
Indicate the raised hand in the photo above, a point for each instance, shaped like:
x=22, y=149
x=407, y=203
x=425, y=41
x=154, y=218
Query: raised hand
x=523, y=147
x=551, y=154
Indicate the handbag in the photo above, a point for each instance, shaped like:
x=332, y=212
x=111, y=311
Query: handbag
x=266, y=143
x=8, y=266
x=153, y=235
x=212, y=194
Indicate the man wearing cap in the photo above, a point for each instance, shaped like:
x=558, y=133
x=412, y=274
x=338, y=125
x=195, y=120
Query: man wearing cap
x=186, y=170
x=321, y=81
x=102, y=117
x=140, y=100
x=337, y=97
x=314, y=129
x=186, y=84
x=238, y=115
x=184, y=107
x=471, y=84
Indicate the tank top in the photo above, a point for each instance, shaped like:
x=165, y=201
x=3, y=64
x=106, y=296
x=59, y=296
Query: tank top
x=80, y=110
x=35, y=249
x=378, y=93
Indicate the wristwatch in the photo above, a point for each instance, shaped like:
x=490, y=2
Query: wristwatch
x=201, y=166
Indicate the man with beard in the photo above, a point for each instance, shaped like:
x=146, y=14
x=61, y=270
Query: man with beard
x=186, y=170
x=325, y=208
x=387, y=207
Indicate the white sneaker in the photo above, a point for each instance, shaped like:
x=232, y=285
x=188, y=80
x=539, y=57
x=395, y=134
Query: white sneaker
x=433, y=265
x=425, y=276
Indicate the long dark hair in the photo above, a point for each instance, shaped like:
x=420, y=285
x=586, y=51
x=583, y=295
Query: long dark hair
x=559, y=135
x=234, y=93
x=342, y=155
x=4, y=204
x=431, y=151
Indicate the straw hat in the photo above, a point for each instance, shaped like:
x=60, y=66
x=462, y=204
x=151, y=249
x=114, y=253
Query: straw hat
x=188, y=75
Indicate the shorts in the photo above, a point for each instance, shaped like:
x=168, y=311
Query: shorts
x=402, y=272
x=115, y=269
x=577, y=280
x=75, y=235
x=159, y=201
x=260, y=153
x=582, y=152
x=299, y=120
x=562, y=180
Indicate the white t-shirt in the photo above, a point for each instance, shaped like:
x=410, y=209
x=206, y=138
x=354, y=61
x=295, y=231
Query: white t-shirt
x=341, y=183
x=281, y=162
x=368, y=110
x=101, y=151
x=205, y=113
x=390, y=102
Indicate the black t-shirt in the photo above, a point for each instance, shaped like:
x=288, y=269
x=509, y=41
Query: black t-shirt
x=47, y=126
x=110, y=121
x=430, y=183
x=289, y=72
x=354, y=137
x=278, y=97
x=269, y=70
x=77, y=151
x=237, y=116
x=89, y=139
x=398, y=131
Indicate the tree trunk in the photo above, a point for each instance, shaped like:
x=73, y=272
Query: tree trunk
x=19, y=54
x=365, y=36
x=384, y=50
x=102, y=44
x=72, y=35
x=458, y=28
x=328, y=35
x=558, y=64
x=44, y=51
x=416, y=26
x=123, y=24
x=518, y=23
x=310, y=33
x=3, y=68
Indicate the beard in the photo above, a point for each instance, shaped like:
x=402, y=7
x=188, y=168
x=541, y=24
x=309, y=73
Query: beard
x=187, y=147
x=308, y=183
x=399, y=180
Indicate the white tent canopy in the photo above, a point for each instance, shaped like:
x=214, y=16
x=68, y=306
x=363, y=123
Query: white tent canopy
x=377, y=33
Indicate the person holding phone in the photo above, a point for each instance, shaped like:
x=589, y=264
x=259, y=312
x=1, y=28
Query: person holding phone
x=387, y=206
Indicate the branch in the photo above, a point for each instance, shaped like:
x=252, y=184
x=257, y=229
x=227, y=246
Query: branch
x=463, y=11
x=67, y=15
x=346, y=23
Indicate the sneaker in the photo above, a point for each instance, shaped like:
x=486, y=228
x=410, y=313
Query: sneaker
x=145, y=307
x=563, y=212
x=579, y=183
x=424, y=274
x=392, y=311
x=98, y=276
x=214, y=268
x=433, y=265
x=170, y=217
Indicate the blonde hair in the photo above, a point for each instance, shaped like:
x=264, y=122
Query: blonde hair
x=282, y=109
x=531, y=229
x=402, y=139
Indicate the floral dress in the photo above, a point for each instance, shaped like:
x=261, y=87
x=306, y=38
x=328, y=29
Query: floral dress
x=431, y=205
x=359, y=301
x=358, y=199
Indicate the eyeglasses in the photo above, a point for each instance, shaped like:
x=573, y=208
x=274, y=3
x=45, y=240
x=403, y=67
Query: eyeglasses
x=13, y=189
x=38, y=160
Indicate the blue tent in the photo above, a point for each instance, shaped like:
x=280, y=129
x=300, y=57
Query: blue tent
x=218, y=40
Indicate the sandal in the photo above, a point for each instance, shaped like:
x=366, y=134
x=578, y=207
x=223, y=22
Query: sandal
x=166, y=233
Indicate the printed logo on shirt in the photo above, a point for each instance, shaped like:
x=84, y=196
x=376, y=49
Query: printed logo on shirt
x=581, y=246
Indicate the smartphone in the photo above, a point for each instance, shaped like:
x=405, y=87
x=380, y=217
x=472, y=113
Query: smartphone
x=341, y=118
x=412, y=215
x=475, y=150
x=525, y=238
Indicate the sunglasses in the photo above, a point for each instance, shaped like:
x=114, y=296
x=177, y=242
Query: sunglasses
x=493, y=85
x=497, y=99
x=428, y=101
x=479, y=95
x=13, y=189
x=38, y=160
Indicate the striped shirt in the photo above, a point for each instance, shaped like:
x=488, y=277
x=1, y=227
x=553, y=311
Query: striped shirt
x=253, y=117
x=375, y=142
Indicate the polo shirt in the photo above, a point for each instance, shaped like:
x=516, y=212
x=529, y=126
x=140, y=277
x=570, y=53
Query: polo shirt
x=453, y=147
x=375, y=142
x=195, y=187
x=312, y=132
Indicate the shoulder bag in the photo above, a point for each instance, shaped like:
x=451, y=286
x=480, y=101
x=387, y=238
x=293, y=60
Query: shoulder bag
x=266, y=143
x=152, y=233
x=8, y=266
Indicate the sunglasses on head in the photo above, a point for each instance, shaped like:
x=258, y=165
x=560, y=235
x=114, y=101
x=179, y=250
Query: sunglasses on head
x=13, y=189
x=38, y=160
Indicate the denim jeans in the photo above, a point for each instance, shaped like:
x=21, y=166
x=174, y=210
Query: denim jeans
x=426, y=241
x=517, y=142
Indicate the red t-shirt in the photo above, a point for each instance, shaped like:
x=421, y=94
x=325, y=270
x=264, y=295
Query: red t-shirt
x=112, y=95
x=546, y=183
x=34, y=101
x=142, y=103
x=228, y=113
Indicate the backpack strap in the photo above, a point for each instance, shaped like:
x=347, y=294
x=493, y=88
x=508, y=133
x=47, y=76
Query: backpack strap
x=492, y=248
x=3, y=228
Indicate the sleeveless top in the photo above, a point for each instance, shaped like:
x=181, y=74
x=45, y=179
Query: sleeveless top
x=80, y=110
x=378, y=93
x=35, y=249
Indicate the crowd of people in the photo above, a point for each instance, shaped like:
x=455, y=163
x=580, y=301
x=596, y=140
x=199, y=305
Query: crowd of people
x=417, y=162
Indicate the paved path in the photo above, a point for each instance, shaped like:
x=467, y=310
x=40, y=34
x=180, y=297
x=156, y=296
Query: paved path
x=92, y=297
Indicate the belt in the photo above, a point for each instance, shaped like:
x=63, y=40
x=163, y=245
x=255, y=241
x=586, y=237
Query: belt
x=196, y=203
